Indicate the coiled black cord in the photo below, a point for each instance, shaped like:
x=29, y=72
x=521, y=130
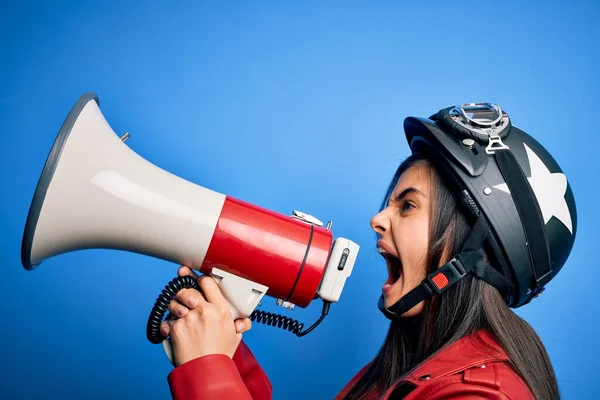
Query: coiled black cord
x=287, y=323
x=161, y=306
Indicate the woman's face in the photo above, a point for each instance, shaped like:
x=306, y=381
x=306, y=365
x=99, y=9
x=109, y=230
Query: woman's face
x=403, y=230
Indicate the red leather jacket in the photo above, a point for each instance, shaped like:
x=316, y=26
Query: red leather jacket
x=218, y=377
x=475, y=367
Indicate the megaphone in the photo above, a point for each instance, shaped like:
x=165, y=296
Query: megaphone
x=95, y=192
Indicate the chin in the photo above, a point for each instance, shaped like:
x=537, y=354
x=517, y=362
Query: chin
x=416, y=310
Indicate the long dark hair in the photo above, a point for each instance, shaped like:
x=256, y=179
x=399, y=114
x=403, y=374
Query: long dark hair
x=469, y=306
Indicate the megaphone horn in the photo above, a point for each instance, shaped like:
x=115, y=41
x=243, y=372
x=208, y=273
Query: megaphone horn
x=96, y=192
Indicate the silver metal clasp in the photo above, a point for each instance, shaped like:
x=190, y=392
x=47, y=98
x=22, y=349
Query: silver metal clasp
x=299, y=215
x=495, y=144
x=329, y=225
x=482, y=119
x=285, y=304
x=480, y=114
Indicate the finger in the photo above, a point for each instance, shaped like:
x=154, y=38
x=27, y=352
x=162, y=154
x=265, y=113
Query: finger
x=185, y=270
x=165, y=328
x=190, y=298
x=211, y=291
x=243, y=325
x=177, y=308
x=170, y=323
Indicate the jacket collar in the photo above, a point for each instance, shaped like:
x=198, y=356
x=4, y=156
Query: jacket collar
x=470, y=351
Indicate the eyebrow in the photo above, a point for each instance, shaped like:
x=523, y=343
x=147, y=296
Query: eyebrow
x=408, y=191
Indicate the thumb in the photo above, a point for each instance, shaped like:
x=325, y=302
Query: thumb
x=241, y=326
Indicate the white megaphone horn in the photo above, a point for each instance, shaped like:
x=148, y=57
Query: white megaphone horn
x=96, y=192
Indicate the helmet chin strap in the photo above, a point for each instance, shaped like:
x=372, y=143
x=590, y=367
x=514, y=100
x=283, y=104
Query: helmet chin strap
x=470, y=260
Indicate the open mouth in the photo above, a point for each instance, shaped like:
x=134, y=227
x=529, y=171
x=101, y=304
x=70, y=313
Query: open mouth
x=394, y=266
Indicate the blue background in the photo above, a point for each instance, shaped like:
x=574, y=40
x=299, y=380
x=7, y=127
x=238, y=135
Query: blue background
x=289, y=105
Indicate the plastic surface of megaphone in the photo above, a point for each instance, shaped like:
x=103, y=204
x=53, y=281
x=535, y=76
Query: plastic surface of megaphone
x=96, y=192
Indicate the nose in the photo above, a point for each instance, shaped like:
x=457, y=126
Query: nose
x=380, y=223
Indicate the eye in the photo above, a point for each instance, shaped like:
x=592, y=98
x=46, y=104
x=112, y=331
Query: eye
x=407, y=206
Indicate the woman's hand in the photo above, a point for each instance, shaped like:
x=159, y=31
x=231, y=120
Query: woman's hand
x=202, y=325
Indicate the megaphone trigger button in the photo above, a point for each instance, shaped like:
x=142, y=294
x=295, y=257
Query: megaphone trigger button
x=343, y=259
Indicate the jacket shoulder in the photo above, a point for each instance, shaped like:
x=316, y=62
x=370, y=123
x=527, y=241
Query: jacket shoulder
x=494, y=381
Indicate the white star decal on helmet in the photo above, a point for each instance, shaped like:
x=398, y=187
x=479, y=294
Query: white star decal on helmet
x=549, y=189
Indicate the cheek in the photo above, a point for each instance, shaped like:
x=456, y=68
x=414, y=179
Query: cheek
x=414, y=250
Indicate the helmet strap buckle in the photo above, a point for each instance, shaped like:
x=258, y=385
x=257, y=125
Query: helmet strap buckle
x=447, y=275
x=495, y=144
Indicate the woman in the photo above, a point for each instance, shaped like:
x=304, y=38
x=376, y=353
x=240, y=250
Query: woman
x=477, y=220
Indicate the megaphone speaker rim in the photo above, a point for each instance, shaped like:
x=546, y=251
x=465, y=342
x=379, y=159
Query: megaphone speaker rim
x=46, y=178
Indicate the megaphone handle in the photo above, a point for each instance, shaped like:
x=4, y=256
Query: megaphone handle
x=242, y=296
x=168, y=346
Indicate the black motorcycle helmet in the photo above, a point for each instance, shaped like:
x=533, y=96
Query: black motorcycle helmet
x=519, y=198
